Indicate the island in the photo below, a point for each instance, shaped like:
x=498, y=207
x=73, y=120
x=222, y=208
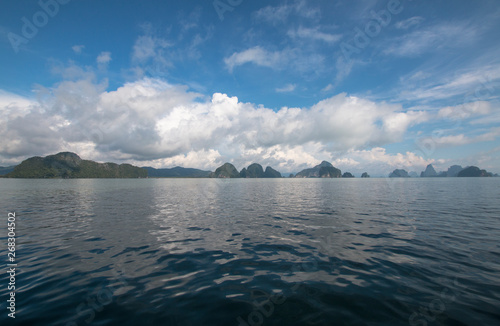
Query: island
x=225, y=171
x=254, y=170
x=399, y=173
x=323, y=170
x=474, y=171
x=455, y=171
x=69, y=165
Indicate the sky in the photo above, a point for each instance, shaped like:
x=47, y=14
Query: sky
x=367, y=85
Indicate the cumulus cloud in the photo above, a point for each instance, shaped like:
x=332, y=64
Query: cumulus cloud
x=158, y=123
x=24, y=128
x=12, y=102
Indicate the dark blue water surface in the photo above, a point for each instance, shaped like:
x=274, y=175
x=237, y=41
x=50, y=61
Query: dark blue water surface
x=254, y=252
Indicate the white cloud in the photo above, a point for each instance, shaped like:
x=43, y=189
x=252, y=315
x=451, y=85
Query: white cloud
x=25, y=129
x=461, y=139
x=104, y=58
x=313, y=34
x=287, y=88
x=202, y=159
x=449, y=35
x=148, y=47
x=493, y=118
x=151, y=120
x=452, y=140
x=71, y=71
x=344, y=68
x=14, y=103
x=410, y=22
x=154, y=55
x=473, y=84
x=279, y=14
x=327, y=88
x=256, y=55
x=419, y=75
x=274, y=14
x=78, y=48
x=465, y=111
x=296, y=60
x=377, y=161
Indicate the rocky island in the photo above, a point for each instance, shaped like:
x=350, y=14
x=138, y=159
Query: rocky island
x=254, y=170
x=69, y=165
x=474, y=171
x=323, y=170
x=225, y=171
x=455, y=171
x=399, y=173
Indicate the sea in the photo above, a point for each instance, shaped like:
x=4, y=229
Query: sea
x=379, y=251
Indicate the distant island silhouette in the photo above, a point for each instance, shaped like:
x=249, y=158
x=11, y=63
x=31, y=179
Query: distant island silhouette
x=453, y=171
x=68, y=165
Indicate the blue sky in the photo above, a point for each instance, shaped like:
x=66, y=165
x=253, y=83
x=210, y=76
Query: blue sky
x=367, y=85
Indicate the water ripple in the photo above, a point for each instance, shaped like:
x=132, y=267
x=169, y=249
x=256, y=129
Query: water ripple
x=270, y=252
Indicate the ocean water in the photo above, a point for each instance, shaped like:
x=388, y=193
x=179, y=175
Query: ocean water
x=253, y=251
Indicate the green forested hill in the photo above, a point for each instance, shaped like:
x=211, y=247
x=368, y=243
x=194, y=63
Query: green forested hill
x=70, y=165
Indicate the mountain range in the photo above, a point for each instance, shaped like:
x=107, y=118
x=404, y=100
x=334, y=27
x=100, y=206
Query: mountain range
x=70, y=165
